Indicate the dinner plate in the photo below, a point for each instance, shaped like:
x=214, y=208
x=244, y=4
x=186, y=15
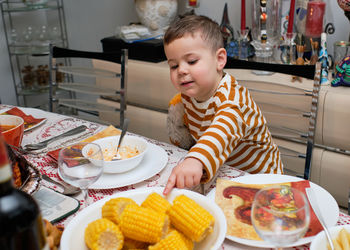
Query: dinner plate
x=153, y=162
x=36, y=113
x=73, y=234
x=327, y=204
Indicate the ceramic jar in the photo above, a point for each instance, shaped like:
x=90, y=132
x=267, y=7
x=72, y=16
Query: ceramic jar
x=156, y=15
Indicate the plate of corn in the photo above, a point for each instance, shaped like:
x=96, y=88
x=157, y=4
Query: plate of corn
x=145, y=219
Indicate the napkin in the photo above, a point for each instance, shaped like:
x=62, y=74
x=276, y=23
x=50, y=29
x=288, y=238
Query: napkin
x=29, y=120
x=238, y=222
x=109, y=131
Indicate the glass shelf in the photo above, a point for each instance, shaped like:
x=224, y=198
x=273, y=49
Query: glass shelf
x=34, y=91
x=35, y=50
x=88, y=71
x=86, y=105
x=19, y=6
x=88, y=89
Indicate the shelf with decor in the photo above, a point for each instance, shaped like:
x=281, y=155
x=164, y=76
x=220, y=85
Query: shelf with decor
x=30, y=26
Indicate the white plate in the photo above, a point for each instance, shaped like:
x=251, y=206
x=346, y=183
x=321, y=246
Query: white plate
x=327, y=204
x=36, y=113
x=153, y=162
x=73, y=234
x=320, y=242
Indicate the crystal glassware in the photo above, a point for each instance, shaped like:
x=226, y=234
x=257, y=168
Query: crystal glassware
x=280, y=215
x=81, y=165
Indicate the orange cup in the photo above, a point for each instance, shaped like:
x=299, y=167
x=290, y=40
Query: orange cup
x=12, y=128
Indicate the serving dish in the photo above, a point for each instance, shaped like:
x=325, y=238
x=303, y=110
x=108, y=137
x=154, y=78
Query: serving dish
x=73, y=235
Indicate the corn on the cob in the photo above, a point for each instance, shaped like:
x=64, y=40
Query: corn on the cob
x=190, y=218
x=103, y=234
x=143, y=224
x=173, y=241
x=130, y=244
x=156, y=202
x=113, y=208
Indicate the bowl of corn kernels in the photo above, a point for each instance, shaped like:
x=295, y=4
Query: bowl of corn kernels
x=130, y=153
x=145, y=219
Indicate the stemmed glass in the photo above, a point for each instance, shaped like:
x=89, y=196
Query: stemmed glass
x=280, y=215
x=81, y=165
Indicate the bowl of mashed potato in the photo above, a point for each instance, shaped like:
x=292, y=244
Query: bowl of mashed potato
x=131, y=152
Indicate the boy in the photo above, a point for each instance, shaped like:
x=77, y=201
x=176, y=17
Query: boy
x=215, y=118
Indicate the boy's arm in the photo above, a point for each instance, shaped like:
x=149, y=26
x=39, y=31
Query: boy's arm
x=178, y=133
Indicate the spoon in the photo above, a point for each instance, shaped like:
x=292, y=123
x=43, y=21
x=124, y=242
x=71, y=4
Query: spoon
x=43, y=144
x=67, y=188
x=124, y=129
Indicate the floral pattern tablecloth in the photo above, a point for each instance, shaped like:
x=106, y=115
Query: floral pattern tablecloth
x=57, y=124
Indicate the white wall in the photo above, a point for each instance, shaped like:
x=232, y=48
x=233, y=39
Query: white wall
x=88, y=21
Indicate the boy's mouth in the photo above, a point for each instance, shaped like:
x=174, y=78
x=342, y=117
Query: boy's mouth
x=186, y=83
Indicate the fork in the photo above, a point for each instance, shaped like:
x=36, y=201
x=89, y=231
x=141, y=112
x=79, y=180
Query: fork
x=43, y=144
x=314, y=204
x=67, y=188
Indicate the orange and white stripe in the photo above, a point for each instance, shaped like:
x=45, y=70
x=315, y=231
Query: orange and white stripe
x=230, y=128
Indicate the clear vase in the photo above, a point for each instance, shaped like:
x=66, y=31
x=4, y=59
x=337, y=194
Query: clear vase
x=266, y=28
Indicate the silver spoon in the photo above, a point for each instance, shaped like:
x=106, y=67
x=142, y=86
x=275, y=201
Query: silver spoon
x=124, y=129
x=67, y=188
x=43, y=144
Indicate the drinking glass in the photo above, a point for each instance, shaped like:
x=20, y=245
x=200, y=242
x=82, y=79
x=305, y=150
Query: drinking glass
x=280, y=215
x=81, y=165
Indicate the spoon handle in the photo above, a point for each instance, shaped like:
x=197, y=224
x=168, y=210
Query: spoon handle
x=124, y=129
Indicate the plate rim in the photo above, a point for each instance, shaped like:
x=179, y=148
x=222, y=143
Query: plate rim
x=262, y=244
x=141, y=191
x=161, y=165
x=322, y=235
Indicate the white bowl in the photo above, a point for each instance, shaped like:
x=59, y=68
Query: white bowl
x=120, y=166
x=320, y=242
x=73, y=234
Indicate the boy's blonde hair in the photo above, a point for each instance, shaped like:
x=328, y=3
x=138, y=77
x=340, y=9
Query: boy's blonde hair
x=190, y=24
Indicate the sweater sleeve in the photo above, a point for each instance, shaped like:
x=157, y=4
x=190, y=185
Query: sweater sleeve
x=220, y=139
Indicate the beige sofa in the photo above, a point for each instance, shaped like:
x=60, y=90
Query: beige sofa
x=149, y=91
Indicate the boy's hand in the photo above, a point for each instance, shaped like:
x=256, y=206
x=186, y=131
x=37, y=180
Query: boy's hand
x=187, y=173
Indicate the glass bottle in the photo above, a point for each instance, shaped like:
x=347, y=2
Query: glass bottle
x=21, y=224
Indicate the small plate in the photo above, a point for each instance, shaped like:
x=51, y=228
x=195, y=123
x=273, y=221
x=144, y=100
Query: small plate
x=73, y=234
x=320, y=242
x=328, y=206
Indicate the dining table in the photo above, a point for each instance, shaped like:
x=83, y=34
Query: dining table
x=56, y=124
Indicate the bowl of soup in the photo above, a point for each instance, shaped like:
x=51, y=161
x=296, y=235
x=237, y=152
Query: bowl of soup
x=131, y=152
x=12, y=128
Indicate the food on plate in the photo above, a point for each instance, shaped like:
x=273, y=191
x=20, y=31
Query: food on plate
x=113, y=208
x=53, y=235
x=236, y=199
x=156, y=202
x=156, y=223
x=173, y=240
x=190, y=218
x=342, y=240
x=103, y=234
x=143, y=224
x=125, y=152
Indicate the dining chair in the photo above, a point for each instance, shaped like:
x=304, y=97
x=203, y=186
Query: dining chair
x=74, y=86
x=290, y=107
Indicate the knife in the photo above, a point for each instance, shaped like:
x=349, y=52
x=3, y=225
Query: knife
x=314, y=204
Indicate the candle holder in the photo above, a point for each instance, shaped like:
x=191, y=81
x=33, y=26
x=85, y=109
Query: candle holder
x=288, y=48
x=243, y=42
x=265, y=29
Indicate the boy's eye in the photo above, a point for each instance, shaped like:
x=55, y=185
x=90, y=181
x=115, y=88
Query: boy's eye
x=173, y=66
x=192, y=62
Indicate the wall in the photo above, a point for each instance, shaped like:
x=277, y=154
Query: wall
x=88, y=21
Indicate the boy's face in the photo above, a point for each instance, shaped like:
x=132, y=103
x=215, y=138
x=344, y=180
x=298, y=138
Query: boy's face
x=195, y=69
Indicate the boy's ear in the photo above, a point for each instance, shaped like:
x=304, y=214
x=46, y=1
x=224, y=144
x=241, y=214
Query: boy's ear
x=221, y=57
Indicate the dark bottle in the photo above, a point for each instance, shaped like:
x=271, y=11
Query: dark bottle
x=21, y=224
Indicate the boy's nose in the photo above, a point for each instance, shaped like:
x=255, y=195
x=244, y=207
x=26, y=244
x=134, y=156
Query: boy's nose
x=182, y=69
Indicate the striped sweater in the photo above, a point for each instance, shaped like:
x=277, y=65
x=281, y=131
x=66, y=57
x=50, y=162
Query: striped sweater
x=230, y=128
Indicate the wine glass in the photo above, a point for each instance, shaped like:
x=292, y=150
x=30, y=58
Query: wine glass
x=280, y=215
x=81, y=165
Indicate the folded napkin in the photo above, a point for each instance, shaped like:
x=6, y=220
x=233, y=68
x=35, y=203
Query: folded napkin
x=29, y=120
x=109, y=131
x=237, y=207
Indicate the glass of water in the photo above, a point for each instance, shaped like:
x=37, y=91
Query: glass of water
x=81, y=165
x=280, y=215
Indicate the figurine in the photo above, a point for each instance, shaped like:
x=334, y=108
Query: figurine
x=323, y=58
x=342, y=77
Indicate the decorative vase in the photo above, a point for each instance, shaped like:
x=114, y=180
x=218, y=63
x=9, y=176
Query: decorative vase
x=156, y=15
